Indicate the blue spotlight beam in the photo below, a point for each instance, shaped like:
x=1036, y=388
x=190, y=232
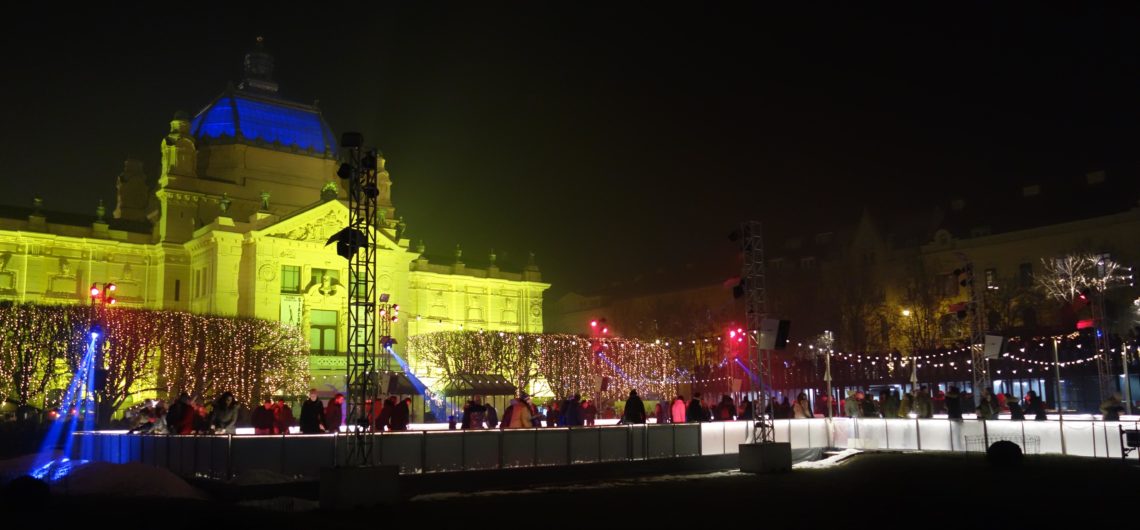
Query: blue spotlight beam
x=79, y=391
x=440, y=412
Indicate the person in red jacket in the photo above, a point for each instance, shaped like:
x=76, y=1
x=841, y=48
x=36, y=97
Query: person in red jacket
x=282, y=417
x=263, y=418
x=334, y=413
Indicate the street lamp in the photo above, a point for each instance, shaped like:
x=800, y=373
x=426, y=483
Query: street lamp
x=105, y=296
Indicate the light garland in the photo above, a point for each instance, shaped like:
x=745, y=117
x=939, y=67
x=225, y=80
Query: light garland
x=150, y=351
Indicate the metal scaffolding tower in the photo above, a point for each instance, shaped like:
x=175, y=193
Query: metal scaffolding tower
x=978, y=361
x=357, y=242
x=756, y=308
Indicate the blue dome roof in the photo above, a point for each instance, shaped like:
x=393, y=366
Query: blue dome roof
x=242, y=115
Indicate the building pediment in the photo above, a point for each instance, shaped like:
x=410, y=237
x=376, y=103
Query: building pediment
x=317, y=225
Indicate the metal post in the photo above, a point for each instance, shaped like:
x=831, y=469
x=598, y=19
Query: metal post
x=917, y=434
x=229, y=457
x=1127, y=381
x=1060, y=409
x=827, y=378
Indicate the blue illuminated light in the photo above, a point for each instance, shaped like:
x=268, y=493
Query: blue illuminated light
x=257, y=119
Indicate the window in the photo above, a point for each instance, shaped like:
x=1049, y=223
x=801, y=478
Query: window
x=1025, y=274
x=950, y=285
x=177, y=289
x=807, y=262
x=322, y=332
x=290, y=279
x=991, y=279
x=776, y=263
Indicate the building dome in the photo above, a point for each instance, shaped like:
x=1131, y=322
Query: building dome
x=249, y=117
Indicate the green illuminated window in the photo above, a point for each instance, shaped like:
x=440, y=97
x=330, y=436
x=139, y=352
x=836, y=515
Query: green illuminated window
x=290, y=279
x=322, y=332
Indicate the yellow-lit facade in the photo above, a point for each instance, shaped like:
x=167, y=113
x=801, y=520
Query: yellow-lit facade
x=237, y=226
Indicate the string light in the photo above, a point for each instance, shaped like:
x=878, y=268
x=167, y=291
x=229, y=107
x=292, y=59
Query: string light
x=198, y=354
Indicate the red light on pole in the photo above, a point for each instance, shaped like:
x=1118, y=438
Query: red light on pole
x=593, y=323
x=94, y=290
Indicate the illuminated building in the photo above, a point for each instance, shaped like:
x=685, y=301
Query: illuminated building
x=246, y=198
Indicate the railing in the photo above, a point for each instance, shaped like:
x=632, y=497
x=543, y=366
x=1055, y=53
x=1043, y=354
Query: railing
x=300, y=455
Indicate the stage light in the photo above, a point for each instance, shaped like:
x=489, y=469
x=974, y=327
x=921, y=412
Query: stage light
x=94, y=290
x=345, y=172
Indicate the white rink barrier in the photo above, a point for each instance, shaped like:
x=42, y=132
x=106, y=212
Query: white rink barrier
x=428, y=451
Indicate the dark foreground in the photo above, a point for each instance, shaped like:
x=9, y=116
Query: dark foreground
x=869, y=490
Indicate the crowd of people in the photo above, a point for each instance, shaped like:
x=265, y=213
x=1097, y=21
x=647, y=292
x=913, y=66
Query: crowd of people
x=187, y=415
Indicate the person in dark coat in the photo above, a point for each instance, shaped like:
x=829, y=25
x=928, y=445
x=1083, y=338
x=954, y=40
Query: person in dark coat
x=334, y=413
x=696, y=412
x=572, y=411
x=745, y=410
x=725, y=410
x=1015, y=412
x=1034, y=406
x=590, y=412
x=180, y=418
x=954, y=404
x=312, y=414
x=401, y=415
x=634, y=409
x=490, y=415
x=262, y=419
x=384, y=420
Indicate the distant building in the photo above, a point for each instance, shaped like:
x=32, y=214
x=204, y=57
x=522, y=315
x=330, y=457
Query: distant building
x=856, y=280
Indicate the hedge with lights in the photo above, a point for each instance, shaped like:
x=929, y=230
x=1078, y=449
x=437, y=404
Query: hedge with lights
x=149, y=351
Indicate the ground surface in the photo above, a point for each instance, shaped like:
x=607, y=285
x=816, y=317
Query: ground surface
x=866, y=490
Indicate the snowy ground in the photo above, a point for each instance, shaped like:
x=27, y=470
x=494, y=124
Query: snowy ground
x=103, y=479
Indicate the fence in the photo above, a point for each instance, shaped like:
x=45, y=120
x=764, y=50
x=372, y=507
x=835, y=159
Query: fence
x=438, y=451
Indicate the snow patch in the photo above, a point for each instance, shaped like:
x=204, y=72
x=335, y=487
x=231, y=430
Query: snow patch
x=127, y=480
x=831, y=461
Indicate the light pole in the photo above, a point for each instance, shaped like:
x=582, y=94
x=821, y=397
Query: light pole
x=101, y=298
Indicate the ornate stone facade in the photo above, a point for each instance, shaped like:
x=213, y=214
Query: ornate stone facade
x=237, y=227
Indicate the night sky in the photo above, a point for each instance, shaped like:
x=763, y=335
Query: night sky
x=612, y=142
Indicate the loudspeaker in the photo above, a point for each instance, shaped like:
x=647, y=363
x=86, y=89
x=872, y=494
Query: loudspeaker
x=774, y=334
x=604, y=384
x=994, y=345
x=393, y=384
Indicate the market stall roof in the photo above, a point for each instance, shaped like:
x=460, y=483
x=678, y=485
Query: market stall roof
x=479, y=385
